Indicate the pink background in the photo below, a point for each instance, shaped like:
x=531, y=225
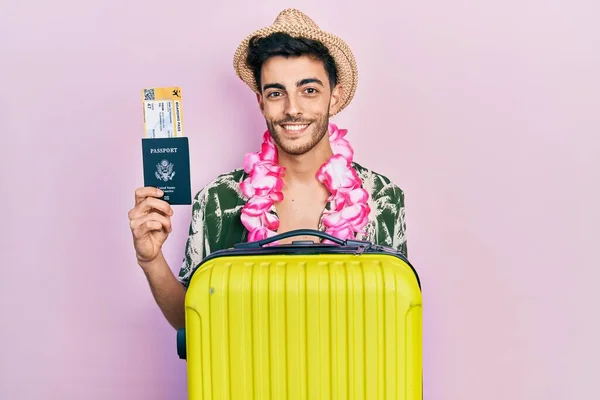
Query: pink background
x=487, y=114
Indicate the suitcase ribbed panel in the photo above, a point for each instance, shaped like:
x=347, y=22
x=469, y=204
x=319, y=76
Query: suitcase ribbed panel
x=304, y=327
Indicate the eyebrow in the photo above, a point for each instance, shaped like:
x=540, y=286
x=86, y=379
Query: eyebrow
x=301, y=82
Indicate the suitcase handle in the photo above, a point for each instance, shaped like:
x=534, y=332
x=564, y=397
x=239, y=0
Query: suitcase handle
x=297, y=232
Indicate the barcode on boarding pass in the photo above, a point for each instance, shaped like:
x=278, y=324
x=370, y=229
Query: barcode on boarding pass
x=163, y=114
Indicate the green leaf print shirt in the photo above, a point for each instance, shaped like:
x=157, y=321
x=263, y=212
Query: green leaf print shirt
x=216, y=211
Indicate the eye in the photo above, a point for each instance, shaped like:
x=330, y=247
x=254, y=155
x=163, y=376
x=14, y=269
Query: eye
x=274, y=94
x=311, y=91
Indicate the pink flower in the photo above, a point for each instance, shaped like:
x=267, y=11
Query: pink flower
x=264, y=180
x=256, y=213
x=257, y=205
x=339, y=145
x=357, y=196
x=348, y=197
x=250, y=161
x=336, y=173
x=354, y=216
x=260, y=234
x=268, y=150
x=357, y=216
x=262, y=168
x=337, y=201
x=261, y=186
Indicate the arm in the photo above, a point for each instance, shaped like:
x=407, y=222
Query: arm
x=168, y=292
x=150, y=222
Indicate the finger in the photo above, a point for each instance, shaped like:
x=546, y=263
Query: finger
x=159, y=205
x=148, y=205
x=146, y=227
x=154, y=216
x=148, y=191
x=164, y=221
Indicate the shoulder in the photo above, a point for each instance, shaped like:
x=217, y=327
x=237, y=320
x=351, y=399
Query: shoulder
x=225, y=186
x=378, y=185
x=386, y=224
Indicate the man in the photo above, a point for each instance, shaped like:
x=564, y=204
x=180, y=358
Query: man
x=304, y=175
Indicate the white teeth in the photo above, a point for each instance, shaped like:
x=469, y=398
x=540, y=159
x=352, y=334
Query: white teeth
x=294, y=127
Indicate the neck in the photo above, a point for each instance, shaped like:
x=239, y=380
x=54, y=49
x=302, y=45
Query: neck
x=303, y=168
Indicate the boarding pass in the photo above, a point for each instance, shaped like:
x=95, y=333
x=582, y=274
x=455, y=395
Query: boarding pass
x=163, y=114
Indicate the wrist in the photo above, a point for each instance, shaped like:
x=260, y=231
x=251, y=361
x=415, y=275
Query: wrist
x=154, y=263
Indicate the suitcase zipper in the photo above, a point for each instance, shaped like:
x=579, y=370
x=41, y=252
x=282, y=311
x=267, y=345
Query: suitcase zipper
x=360, y=250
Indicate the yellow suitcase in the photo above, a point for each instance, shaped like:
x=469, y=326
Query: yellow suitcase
x=303, y=321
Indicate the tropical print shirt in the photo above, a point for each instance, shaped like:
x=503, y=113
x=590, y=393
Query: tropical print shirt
x=217, y=207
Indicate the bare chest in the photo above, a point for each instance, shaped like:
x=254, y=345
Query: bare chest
x=300, y=210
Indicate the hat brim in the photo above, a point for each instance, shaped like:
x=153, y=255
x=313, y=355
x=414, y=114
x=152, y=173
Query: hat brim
x=339, y=50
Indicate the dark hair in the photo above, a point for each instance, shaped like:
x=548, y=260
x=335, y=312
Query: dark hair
x=282, y=44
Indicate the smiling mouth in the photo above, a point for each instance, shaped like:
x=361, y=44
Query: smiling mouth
x=294, y=127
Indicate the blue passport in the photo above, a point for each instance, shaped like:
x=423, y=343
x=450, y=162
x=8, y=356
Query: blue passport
x=167, y=167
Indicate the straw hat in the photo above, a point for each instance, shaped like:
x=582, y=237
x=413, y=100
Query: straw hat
x=295, y=23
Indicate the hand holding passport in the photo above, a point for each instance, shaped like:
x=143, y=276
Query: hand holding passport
x=166, y=168
x=165, y=151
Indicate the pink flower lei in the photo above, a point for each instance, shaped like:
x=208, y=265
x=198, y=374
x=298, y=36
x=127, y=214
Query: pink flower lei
x=348, y=209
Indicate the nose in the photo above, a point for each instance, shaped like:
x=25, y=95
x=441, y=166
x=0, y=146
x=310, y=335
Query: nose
x=292, y=107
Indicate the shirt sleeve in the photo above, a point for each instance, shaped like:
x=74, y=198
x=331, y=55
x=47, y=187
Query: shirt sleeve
x=196, y=245
x=399, y=241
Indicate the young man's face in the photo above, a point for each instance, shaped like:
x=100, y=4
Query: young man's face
x=296, y=101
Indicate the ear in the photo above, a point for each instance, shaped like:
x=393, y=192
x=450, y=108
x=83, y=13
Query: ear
x=334, y=103
x=259, y=99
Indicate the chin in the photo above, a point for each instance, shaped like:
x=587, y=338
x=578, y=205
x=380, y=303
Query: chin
x=296, y=146
x=299, y=145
